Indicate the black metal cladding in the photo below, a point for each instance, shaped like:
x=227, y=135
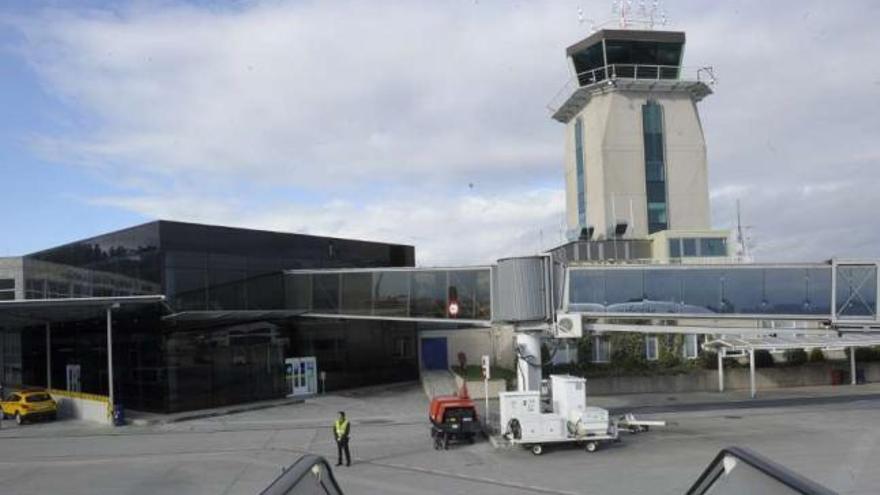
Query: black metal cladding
x=206, y=267
x=161, y=366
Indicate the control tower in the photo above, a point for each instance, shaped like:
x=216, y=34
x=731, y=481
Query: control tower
x=635, y=156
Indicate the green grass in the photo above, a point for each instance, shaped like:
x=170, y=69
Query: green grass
x=474, y=372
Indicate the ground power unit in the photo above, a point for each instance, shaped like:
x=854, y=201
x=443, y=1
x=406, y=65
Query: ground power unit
x=570, y=420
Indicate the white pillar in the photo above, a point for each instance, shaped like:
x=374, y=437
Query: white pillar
x=110, y=356
x=48, y=356
x=752, y=372
x=852, y=365
x=528, y=362
x=720, y=369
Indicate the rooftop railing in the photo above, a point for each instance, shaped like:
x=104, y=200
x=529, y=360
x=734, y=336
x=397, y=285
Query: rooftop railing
x=644, y=72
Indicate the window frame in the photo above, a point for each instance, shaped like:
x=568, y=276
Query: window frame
x=684, y=347
x=656, y=341
x=603, y=342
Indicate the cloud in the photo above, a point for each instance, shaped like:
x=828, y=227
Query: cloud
x=371, y=117
x=473, y=228
x=304, y=93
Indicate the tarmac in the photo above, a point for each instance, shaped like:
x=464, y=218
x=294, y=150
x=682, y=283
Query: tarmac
x=834, y=443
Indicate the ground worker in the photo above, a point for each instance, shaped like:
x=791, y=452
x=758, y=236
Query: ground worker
x=341, y=430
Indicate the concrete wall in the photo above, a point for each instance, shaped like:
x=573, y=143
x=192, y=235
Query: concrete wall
x=87, y=407
x=14, y=268
x=614, y=162
x=734, y=379
x=477, y=389
x=496, y=342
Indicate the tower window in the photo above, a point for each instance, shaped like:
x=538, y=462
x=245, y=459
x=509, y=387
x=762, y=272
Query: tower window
x=655, y=166
x=579, y=163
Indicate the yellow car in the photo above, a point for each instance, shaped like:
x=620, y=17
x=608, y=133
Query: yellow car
x=26, y=405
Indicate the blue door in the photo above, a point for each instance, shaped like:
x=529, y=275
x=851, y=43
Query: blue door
x=434, y=354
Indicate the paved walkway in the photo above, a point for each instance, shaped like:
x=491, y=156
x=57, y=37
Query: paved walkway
x=438, y=382
x=140, y=418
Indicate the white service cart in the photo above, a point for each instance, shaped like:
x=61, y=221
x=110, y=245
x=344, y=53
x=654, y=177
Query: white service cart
x=571, y=421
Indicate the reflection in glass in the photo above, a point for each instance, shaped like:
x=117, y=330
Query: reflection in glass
x=675, y=248
x=710, y=246
x=483, y=298
x=391, y=293
x=856, y=291
x=701, y=290
x=663, y=290
x=357, y=293
x=742, y=291
x=325, y=294
x=463, y=290
x=785, y=291
x=587, y=290
x=428, y=294
x=623, y=286
x=732, y=290
x=819, y=290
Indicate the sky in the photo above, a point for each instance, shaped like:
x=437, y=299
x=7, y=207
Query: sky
x=419, y=122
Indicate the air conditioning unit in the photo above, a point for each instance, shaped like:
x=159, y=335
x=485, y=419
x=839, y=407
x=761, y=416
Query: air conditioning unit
x=569, y=326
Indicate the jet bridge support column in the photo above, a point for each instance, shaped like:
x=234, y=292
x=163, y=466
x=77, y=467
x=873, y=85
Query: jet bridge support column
x=752, y=386
x=528, y=361
x=852, y=365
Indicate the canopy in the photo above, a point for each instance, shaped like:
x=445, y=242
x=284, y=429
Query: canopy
x=774, y=342
x=41, y=311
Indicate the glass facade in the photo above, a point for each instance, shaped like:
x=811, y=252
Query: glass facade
x=417, y=293
x=358, y=352
x=168, y=365
x=198, y=267
x=744, y=290
x=655, y=166
x=579, y=164
x=704, y=247
x=620, y=58
x=655, y=59
x=7, y=289
x=856, y=291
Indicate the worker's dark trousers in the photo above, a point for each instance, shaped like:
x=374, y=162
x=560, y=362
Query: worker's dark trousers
x=342, y=446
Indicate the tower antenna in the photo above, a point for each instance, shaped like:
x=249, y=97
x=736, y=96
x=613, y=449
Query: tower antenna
x=740, y=235
x=644, y=15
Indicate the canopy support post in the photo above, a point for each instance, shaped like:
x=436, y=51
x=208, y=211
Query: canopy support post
x=110, y=355
x=48, y=356
x=852, y=365
x=752, y=372
x=721, y=369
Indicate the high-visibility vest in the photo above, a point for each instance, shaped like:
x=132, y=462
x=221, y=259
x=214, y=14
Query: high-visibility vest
x=340, y=426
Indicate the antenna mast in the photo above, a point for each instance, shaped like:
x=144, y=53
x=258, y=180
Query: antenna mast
x=740, y=237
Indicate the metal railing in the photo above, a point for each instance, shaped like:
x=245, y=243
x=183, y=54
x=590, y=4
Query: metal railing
x=614, y=72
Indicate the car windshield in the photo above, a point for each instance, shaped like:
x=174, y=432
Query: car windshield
x=37, y=398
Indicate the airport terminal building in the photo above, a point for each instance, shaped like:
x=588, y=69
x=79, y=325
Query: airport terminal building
x=221, y=333
x=170, y=316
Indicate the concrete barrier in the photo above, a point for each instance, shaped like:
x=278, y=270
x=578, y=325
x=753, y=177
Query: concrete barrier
x=78, y=405
x=734, y=379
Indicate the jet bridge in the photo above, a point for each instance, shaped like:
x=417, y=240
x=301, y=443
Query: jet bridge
x=460, y=295
x=719, y=299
